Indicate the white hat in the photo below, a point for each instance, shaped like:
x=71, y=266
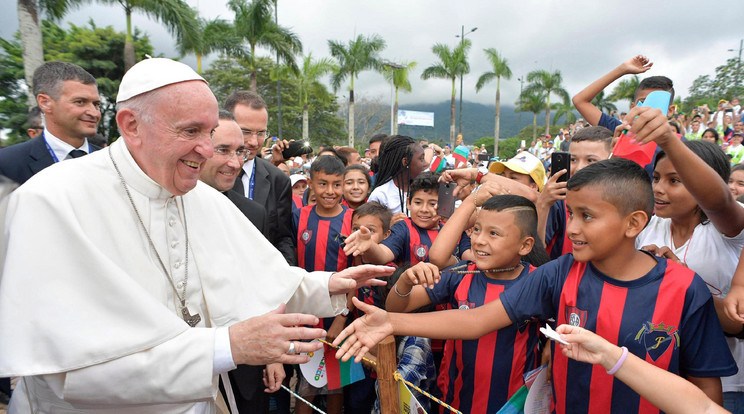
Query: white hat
x=295, y=178
x=151, y=74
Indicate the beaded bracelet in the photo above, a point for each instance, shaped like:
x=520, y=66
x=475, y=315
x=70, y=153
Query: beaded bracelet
x=619, y=362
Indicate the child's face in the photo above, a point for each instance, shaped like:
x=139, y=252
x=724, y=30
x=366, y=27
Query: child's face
x=423, y=208
x=356, y=186
x=310, y=197
x=736, y=183
x=299, y=188
x=327, y=188
x=496, y=240
x=519, y=177
x=671, y=198
x=595, y=227
x=584, y=153
x=709, y=136
x=373, y=223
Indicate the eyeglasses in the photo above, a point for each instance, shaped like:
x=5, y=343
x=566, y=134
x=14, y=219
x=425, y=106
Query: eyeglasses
x=259, y=134
x=241, y=153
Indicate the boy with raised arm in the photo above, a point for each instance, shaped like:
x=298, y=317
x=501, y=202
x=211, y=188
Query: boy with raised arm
x=661, y=311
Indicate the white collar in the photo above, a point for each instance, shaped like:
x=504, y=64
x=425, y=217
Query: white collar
x=133, y=174
x=60, y=148
x=248, y=168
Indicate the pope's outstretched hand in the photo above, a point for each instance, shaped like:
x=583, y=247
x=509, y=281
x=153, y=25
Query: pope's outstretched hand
x=353, y=278
x=364, y=333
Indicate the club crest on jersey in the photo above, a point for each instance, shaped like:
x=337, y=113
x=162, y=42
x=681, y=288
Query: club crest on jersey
x=658, y=338
x=575, y=316
x=420, y=252
x=306, y=235
x=464, y=305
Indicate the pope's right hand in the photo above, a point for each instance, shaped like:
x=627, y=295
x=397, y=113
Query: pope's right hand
x=364, y=333
x=266, y=339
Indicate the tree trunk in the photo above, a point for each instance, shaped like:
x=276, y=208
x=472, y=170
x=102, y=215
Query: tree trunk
x=452, y=117
x=534, y=127
x=498, y=118
x=129, y=58
x=351, y=118
x=547, y=114
x=198, y=63
x=254, y=81
x=33, y=50
x=395, y=114
x=305, y=122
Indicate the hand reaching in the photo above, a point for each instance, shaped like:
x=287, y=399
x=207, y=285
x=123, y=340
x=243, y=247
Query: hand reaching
x=364, y=333
x=353, y=278
x=422, y=273
x=586, y=346
x=734, y=303
x=358, y=242
x=636, y=65
x=273, y=376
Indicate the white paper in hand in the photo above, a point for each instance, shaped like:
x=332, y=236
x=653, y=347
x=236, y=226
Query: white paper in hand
x=551, y=334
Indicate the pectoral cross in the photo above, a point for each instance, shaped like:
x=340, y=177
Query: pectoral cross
x=192, y=320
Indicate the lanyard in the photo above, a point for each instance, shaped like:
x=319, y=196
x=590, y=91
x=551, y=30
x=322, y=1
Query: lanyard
x=54, y=156
x=252, y=181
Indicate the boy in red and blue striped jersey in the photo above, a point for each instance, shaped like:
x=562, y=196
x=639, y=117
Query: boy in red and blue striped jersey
x=659, y=310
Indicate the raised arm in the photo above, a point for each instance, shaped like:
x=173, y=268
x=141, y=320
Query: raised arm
x=583, y=100
x=409, y=292
x=360, y=243
x=440, y=253
x=710, y=191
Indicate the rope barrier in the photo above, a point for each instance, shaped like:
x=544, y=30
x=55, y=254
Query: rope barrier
x=400, y=378
x=303, y=400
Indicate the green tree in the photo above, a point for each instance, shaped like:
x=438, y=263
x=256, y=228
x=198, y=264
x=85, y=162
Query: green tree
x=565, y=109
x=215, y=35
x=99, y=50
x=361, y=53
x=603, y=103
x=399, y=78
x=452, y=63
x=254, y=23
x=229, y=73
x=548, y=83
x=499, y=69
x=307, y=79
x=532, y=101
x=726, y=84
x=625, y=89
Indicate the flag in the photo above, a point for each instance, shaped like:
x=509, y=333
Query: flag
x=461, y=155
x=437, y=164
x=515, y=405
x=340, y=373
x=641, y=154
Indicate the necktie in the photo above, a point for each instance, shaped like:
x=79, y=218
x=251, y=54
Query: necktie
x=76, y=153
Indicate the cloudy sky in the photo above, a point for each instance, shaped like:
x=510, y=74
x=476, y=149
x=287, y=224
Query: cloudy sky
x=582, y=39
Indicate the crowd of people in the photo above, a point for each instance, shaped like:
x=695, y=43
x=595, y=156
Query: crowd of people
x=189, y=265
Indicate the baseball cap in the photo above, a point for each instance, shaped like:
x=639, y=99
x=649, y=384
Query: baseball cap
x=522, y=163
x=295, y=178
x=153, y=73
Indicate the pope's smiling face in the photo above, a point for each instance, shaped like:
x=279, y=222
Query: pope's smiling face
x=175, y=138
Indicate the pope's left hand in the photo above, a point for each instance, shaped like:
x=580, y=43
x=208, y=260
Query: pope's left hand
x=355, y=277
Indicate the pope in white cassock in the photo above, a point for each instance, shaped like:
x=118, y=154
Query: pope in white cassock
x=129, y=286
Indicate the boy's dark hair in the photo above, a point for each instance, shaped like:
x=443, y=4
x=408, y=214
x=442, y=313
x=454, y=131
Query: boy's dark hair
x=247, y=98
x=392, y=153
x=363, y=169
x=623, y=183
x=525, y=217
x=48, y=78
x=373, y=208
x=427, y=181
x=327, y=164
x=335, y=153
x=376, y=138
x=346, y=152
x=225, y=114
x=595, y=134
x=655, y=82
x=98, y=140
x=676, y=127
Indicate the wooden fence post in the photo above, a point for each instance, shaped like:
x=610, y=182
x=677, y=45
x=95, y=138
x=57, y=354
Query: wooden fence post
x=387, y=364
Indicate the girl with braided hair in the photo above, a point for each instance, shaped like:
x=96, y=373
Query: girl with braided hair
x=401, y=160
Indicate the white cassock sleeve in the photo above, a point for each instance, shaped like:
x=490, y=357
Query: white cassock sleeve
x=312, y=296
x=178, y=370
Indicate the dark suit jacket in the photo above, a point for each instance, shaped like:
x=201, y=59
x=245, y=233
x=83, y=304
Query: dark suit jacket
x=273, y=190
x=21, y=161
x=255, y=212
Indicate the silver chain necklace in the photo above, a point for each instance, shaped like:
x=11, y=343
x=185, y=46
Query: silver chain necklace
x=191, y=320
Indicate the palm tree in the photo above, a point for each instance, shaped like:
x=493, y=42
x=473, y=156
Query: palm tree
x=564, y=109
x=549, y=83
x=254, y=24
x=399, y=78
x=175, y=15
x=532, y=101
x=603, y=103
x=216, y=35
x=362, y=53
x=452, y=63
x=499, y=69
x=311, y=71
x=625, y=89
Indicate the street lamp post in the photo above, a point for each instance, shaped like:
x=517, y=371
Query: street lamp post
x=462, y=40
x=521, y=83
x=278, y=81
x=738, y=63
x=392, y=66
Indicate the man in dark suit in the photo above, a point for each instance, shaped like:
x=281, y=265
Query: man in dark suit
x=220, y=172
x=68, y=97
x=260, y=180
